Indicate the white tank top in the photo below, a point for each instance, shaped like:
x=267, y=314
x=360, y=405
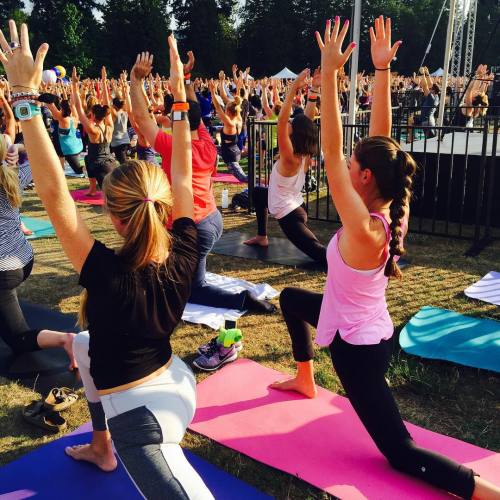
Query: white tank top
x=285, y=193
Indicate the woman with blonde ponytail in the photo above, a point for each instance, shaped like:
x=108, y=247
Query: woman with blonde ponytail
x=233, y=124
x=134, y=298
x=371, y=192
x=16, y=262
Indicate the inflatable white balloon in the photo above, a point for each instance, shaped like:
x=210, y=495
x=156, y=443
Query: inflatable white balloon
x=49, y=76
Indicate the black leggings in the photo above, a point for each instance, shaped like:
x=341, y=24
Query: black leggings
x=361, y=370
x=14, y=330
x=74, y=163
x=294, y=225
x=99, y=169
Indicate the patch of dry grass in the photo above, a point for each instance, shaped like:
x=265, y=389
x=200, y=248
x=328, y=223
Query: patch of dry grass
x=443, y=397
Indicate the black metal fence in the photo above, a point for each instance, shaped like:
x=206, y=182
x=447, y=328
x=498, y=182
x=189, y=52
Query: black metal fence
x=456, y=188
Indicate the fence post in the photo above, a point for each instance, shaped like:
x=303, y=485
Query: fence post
x=251, y=161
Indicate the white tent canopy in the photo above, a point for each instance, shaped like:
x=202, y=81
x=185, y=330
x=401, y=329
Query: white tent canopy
x=438, y=72
x=284, y=74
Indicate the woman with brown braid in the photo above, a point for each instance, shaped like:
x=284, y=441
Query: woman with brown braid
x=371, y=193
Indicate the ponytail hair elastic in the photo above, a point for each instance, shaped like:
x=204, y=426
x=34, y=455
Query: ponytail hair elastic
x=145, y=200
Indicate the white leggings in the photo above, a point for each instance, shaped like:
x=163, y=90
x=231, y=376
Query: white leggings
x=147, y=423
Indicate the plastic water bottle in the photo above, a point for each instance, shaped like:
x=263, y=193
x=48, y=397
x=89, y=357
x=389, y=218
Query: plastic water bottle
x=225, y=198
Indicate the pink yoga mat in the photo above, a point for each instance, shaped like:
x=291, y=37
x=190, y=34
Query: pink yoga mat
x=79, y=195
x=321, y=441
x=228, y=178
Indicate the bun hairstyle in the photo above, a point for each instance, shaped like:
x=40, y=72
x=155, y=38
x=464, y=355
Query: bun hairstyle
x=9, y=180
x=138, y=194
x=234, y=106
x=393, y=170
x=100, y=112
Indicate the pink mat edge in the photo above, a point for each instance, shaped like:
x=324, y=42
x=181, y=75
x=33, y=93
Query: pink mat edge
x=350, y=491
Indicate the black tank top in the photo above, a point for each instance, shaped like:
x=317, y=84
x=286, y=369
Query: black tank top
x=99, y=151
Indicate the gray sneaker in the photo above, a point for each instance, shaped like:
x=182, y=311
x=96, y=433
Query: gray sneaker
x=216, y=357
x=205, y=348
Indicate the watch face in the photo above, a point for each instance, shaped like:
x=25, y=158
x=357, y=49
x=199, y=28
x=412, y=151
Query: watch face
x=24, y=111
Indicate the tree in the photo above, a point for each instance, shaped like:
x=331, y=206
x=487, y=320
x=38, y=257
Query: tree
x=207, y=28
x=132, y=26
x=66, y=33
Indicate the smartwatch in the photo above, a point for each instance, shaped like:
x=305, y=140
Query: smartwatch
x=179, y=116
x=25, y=110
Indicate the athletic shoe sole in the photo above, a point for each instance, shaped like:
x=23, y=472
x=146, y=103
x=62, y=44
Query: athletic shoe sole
x=212, y=369
x=237, y=349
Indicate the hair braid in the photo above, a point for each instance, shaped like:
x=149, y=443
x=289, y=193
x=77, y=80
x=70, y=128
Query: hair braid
x=403, y=180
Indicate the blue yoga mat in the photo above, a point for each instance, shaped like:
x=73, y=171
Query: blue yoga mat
x=41, y=228
x=441, y=334
x=49, y=474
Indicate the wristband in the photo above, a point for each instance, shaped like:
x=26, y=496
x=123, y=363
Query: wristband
x=178, y=116
x=180, y=106
x=382, y=69
x=187, y=78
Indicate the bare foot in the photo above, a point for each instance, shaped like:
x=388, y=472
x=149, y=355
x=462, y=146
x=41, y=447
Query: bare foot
x=91, y=193
x=68, y=347
x=294, y=384
x=106, y=461
x=260, y=241
x=25, y=230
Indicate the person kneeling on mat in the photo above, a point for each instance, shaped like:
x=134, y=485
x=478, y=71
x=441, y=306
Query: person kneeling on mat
x=207, y=217
x=371, y=193
x=134, y=298
x=298, y=141
x=16, y=257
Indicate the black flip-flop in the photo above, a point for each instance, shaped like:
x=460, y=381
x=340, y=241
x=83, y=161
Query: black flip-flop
x=36, y=414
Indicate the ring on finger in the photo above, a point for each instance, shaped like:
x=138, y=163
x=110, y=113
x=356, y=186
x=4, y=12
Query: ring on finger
x=14, y=45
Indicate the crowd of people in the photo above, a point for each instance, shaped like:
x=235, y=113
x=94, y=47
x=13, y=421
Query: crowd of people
x=141, y=396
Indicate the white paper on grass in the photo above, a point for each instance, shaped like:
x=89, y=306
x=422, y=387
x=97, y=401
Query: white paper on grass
x=486, y=289
x=214, y=317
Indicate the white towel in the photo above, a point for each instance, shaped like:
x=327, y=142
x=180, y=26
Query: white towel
x=486, y=289
x=214, y=317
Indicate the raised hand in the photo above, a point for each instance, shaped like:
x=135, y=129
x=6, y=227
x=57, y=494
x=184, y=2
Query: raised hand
x=211, y=86
x=332, y=57
x=188, y=67
x=382, y=51
x=104, y=75
x=142, y=67
x=176, y=71
x=222, y=75
x=22, y=70
x=301, y=79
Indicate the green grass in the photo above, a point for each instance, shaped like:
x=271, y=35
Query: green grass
x=446, y=398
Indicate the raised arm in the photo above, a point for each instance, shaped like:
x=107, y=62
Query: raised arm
x=265, y=102
x=147, y=125
x=222, y=88
x=218, y=108
x=51, y=185
x=82, y=116
x=284, y=142
x=382, y=55
x=187, y=69
x=56, y=113
x=351, y=208
x=182, y=182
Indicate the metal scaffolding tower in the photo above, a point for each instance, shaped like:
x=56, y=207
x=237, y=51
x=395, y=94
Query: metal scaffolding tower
x=469, y=41
x=465, y=16
x=458, y=30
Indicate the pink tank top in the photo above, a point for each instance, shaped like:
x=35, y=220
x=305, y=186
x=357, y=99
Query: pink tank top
x=354, y=301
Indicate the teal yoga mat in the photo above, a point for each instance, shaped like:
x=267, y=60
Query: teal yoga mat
x=41, y=228
x=436, y=333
